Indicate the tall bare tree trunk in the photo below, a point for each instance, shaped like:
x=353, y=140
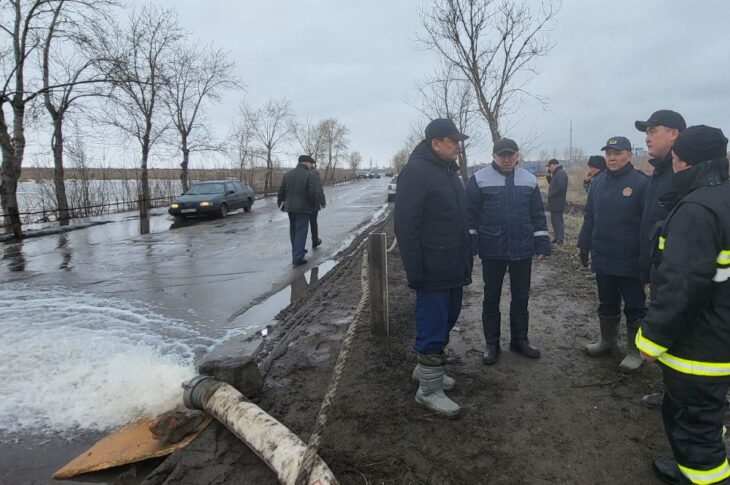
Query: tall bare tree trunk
x=269, y=172
x=184, y=165
x=463, y=164
x=144, y=203
x=12, y=158
x=58, y=175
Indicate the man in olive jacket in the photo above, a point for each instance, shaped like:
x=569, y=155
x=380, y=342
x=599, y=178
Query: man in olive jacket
x=321, y=204
x=433, y=237
x=298, y=197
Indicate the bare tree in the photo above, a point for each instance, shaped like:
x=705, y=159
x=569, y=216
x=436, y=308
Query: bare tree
x=137, y=59
x=64, y=61
x=19, y=22
x=241, y=143
x=309, y=137
x=354, y=160
x=446, y=95
x=271, y=125
x=198, y=75
x=335, y=145
x=400, y=158
x=494, y=43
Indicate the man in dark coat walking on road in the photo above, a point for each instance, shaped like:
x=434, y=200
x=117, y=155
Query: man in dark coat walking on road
x=298, y=197
x=557, y=192
x=432, y=234
x=321, y=204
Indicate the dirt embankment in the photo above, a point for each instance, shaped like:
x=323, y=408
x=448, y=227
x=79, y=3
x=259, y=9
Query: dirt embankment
x=565, y=418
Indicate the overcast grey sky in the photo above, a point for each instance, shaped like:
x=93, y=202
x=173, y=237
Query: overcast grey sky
x=614, y=62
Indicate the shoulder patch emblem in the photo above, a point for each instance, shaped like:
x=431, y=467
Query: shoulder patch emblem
x=628, y=191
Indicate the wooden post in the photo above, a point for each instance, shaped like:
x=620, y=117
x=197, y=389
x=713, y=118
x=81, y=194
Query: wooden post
x=378, y=282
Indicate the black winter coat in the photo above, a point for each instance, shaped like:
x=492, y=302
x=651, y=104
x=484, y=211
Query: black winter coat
x=430, y=223
x=558, y=190
x=611, y=221
x=298, y=191
x=660, y=199
x=688, y=324
x=321, y=199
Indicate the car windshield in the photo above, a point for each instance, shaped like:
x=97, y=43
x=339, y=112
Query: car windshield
x=205, y=189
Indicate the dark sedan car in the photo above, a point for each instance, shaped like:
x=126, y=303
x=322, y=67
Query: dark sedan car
x=214, y=198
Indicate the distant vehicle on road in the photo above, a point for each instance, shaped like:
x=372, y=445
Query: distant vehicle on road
x=377, y=175
x=371, y=175
x=214, y=198
x=391, y=189
x=389, y=174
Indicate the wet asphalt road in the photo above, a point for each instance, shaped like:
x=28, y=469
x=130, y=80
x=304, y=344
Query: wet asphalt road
x=206, y=273
x=199, y=270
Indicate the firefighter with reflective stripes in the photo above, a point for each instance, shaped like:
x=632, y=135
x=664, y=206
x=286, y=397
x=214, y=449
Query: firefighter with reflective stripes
x=687, y=328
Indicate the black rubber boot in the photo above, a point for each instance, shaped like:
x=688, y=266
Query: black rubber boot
x=491, y=325
x=666, y=470
x=519, y=325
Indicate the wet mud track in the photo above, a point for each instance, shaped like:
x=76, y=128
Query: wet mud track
x=564, y=418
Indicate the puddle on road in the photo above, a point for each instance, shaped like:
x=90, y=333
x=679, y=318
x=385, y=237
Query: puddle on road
x=259, y=316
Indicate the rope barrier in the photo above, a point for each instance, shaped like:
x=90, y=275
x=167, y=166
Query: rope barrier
x=315, y=439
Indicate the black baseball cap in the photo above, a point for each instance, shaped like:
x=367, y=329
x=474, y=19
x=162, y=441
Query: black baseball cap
x=553, y=161
x=663, y=117
x=505, y=145
x=444, y=127
x=617, y=143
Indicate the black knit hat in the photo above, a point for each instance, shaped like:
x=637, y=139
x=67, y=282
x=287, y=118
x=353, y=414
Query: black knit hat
x=306, y=158
x=698, y=144
x=597, y=161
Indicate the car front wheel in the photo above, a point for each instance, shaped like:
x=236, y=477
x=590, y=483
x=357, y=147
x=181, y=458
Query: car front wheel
x=223, y=211
x=248, y=206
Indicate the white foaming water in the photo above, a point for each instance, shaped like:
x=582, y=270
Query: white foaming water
x=71, y=361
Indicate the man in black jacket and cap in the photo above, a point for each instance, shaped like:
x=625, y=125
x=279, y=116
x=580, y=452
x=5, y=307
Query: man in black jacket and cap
x=433, y=238
x=662, y=129
x=321, y=204
x=687, y=328
x=298, y=197
x=557, y=192
x=610, y=231
x=596, y=165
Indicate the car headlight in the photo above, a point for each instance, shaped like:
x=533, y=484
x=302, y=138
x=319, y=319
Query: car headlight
x=174, y=206
x=204, y=204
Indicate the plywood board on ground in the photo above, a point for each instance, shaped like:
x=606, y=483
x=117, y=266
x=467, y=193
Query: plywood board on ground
x=130, y=444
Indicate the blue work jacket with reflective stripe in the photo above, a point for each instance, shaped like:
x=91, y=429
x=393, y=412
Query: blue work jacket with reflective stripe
x=688, y=324
x=506, y=212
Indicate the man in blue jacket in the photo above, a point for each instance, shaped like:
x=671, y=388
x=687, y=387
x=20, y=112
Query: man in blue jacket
x=507, y=227
x=431, y=228
x=611, y=223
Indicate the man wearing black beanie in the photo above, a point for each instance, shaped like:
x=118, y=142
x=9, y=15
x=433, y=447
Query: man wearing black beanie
x=687, y=328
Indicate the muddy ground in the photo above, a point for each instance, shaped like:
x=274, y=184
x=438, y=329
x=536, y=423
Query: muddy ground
x=565, y=418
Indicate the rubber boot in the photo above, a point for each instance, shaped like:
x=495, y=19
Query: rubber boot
x=491, y=325
x=632, y=361
x=609, y=336
x=449, y=382
x=519, y=325
x=430, y=392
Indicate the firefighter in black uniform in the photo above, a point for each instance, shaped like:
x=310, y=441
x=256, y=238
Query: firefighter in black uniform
x=687, y=328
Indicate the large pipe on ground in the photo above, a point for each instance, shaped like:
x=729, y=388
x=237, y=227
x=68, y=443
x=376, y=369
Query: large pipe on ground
x=278, y=447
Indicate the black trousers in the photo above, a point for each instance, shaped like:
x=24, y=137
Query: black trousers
x=493, y=271
x=611, y=289
x=693, y=412
x=556, y=219
x=313, y=225
x=298, y=225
